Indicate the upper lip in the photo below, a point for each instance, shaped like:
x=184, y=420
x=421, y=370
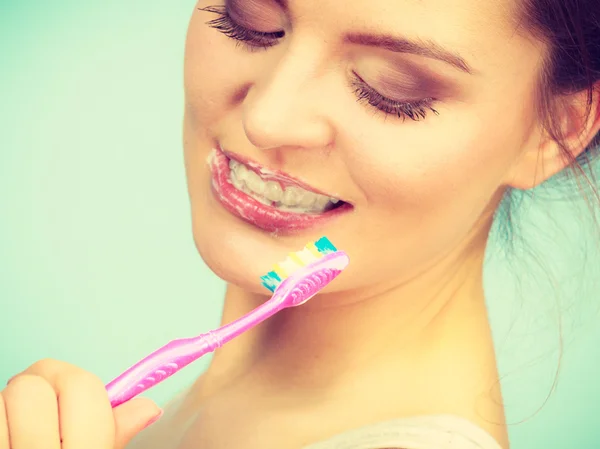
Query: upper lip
x=275, y=175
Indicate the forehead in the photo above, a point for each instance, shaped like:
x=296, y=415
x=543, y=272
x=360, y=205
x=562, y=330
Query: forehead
x=404, y=13
x=477, y=29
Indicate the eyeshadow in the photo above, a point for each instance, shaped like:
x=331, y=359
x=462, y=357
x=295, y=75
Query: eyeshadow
x=254, y=14
x=402, y=76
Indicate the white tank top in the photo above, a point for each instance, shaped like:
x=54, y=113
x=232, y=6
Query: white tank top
x=422, y=432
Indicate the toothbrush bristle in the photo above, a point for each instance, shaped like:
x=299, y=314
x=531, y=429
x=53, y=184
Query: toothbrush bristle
x=325, y=246
x=310, y=253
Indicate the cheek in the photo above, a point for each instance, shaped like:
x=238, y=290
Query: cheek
x=211, y=72
x=442, y=159
x=434, y=180
x=426, y=187
x=211, y=76
x=413, y=166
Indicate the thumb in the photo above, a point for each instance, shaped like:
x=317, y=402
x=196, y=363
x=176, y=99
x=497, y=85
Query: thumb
x=132, y=417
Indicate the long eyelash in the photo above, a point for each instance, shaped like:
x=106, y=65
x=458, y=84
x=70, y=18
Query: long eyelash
x=415, y=110
x=225, y=24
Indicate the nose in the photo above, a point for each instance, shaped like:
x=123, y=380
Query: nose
x=285, y=107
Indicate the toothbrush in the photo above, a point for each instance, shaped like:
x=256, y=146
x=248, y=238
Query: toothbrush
x=293, y=282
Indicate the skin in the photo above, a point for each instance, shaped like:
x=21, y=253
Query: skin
x=53, y=402
x=404, y=331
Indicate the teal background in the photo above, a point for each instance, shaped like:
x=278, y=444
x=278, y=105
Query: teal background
x=96, y=249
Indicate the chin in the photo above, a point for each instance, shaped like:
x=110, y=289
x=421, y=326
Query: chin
x=232, y=252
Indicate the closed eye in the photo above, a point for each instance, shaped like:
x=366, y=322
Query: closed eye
x=253, y=39
x=414, y=110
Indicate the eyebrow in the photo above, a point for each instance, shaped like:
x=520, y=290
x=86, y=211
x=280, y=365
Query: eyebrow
x=401, y=45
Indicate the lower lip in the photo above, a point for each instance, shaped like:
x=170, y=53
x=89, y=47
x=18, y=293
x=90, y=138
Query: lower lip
x=258, y=214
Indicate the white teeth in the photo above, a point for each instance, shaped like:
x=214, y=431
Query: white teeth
x=307, y=199
x=294, y=198
x=322, y=202
x=291, y=195
x=241, y=172
x=254, y=183
x=273, y=191
x=236, y=181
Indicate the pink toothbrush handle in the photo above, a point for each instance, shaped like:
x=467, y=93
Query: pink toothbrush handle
x=166, y=361
x=160, y=365
x=169, y=359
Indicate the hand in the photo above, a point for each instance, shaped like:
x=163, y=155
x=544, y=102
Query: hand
x=55, y=405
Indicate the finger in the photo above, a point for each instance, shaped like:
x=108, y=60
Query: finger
x=31, y=413
x=132, y=417
x=4, y=441
x=86, y=416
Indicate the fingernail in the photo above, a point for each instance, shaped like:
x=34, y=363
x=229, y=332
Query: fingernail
x=154, y=419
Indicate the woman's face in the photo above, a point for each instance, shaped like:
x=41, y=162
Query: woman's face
x=409, y=115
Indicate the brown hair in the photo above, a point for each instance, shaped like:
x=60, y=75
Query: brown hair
x=571, y=29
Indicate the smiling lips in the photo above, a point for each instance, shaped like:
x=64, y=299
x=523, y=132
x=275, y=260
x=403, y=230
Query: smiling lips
x=269, y=200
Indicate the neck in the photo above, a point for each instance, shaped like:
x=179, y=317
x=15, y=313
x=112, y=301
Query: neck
x=394, y=324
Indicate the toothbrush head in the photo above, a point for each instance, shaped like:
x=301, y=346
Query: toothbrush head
x=307, y=270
